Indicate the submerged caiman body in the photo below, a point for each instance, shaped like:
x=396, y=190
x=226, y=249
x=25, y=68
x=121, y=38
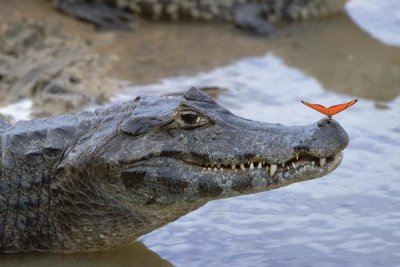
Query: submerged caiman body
x=251, y=15
x=94, y=180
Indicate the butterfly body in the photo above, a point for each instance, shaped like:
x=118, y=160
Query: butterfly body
x=332, y=110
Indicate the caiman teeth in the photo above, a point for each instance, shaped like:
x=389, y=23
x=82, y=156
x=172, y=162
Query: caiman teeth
x=242, y=167
x=272, y=170
x=298, y=161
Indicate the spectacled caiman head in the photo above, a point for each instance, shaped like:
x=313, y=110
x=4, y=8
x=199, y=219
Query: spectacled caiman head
x=170, y=155
x=188, y=147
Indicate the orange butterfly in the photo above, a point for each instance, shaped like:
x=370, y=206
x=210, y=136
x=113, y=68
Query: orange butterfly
x=331, y=110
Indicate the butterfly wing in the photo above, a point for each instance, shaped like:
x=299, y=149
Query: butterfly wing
x=340, y=107
x=317, y=107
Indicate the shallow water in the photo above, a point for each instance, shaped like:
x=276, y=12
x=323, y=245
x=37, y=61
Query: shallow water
x=350, y=217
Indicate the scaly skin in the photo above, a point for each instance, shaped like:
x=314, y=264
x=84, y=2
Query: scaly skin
x=254, y=15
x=95, y=180
x=274, y=10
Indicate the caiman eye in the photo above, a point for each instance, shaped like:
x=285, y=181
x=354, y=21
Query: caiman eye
x=190, y=118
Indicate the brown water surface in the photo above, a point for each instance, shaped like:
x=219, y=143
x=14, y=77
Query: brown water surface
x=130, y=256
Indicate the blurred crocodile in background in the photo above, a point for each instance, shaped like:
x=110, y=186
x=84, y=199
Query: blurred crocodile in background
x=94, y=180
x=255, y=16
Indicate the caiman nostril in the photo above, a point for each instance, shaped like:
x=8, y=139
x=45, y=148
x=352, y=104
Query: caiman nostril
x=301, y=148
x=324, y=122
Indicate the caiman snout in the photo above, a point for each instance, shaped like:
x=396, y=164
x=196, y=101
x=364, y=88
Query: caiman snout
x=326, y=138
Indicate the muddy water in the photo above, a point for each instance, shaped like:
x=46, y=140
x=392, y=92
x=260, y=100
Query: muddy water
x=348, y=218
x=135, y=255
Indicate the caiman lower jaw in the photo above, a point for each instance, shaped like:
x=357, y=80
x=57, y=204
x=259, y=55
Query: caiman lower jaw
x=302, y=163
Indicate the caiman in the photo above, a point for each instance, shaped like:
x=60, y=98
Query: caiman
x=99, y=179
x=255, y=16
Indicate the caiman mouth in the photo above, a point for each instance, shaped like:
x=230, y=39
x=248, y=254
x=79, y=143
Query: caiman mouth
x=301, y=162
x=301, y=167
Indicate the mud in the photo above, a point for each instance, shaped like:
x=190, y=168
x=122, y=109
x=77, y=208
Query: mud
x=59, y=72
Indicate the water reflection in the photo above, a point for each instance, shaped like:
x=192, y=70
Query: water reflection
x=133, y=255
